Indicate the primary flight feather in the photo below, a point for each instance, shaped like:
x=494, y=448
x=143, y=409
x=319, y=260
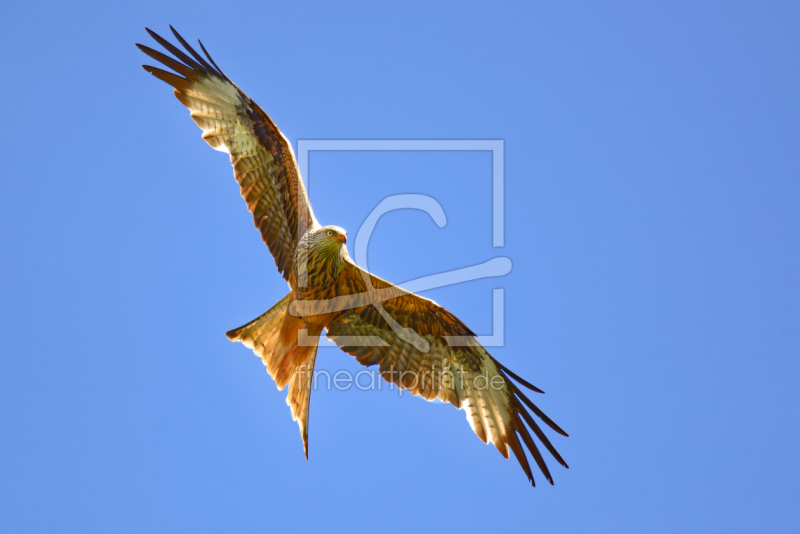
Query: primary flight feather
x=408, y=336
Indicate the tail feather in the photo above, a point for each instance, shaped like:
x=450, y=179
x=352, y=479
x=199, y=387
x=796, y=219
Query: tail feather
x=257, y=333
x=274, y=337
x=299, y=397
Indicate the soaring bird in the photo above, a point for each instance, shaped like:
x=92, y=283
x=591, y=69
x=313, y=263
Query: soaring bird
x=410, y=337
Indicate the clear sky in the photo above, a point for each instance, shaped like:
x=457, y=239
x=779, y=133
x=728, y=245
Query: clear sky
x=652, y=185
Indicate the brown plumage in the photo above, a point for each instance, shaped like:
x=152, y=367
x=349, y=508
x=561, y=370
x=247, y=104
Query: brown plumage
x=409, y=337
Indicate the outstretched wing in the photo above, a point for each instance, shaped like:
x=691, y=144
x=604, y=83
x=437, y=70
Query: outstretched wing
x=263, y=161
x=423, y=348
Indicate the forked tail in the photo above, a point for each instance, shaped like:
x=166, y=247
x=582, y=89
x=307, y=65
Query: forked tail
x=274, y=336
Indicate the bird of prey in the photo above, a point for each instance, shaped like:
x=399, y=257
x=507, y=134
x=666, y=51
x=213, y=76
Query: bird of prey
x=410, y=337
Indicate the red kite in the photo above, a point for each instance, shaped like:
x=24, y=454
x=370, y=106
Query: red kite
x=408, y=336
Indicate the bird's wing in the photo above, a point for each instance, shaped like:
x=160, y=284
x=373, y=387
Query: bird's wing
x=263, y=161
x=423, y=348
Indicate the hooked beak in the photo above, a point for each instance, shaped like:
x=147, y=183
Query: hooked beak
x=342, y=238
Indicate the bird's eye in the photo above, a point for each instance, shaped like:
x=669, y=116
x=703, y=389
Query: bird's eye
x=330, y=233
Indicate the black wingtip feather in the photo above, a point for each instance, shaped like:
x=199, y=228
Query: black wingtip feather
x=539, y=434
x=219, y=70
x=168, y=61
x=172, y=48
x=526, y=437
x=516, y=377
x=191, y=50
x=549, y=422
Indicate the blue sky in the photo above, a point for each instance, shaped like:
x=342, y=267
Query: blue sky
x=651, y=196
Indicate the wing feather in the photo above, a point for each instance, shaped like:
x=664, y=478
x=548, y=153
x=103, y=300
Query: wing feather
x=465, y=376
x=263, y=161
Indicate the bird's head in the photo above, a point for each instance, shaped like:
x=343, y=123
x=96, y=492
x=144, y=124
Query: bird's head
x=329, y=239
x=334, y=233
